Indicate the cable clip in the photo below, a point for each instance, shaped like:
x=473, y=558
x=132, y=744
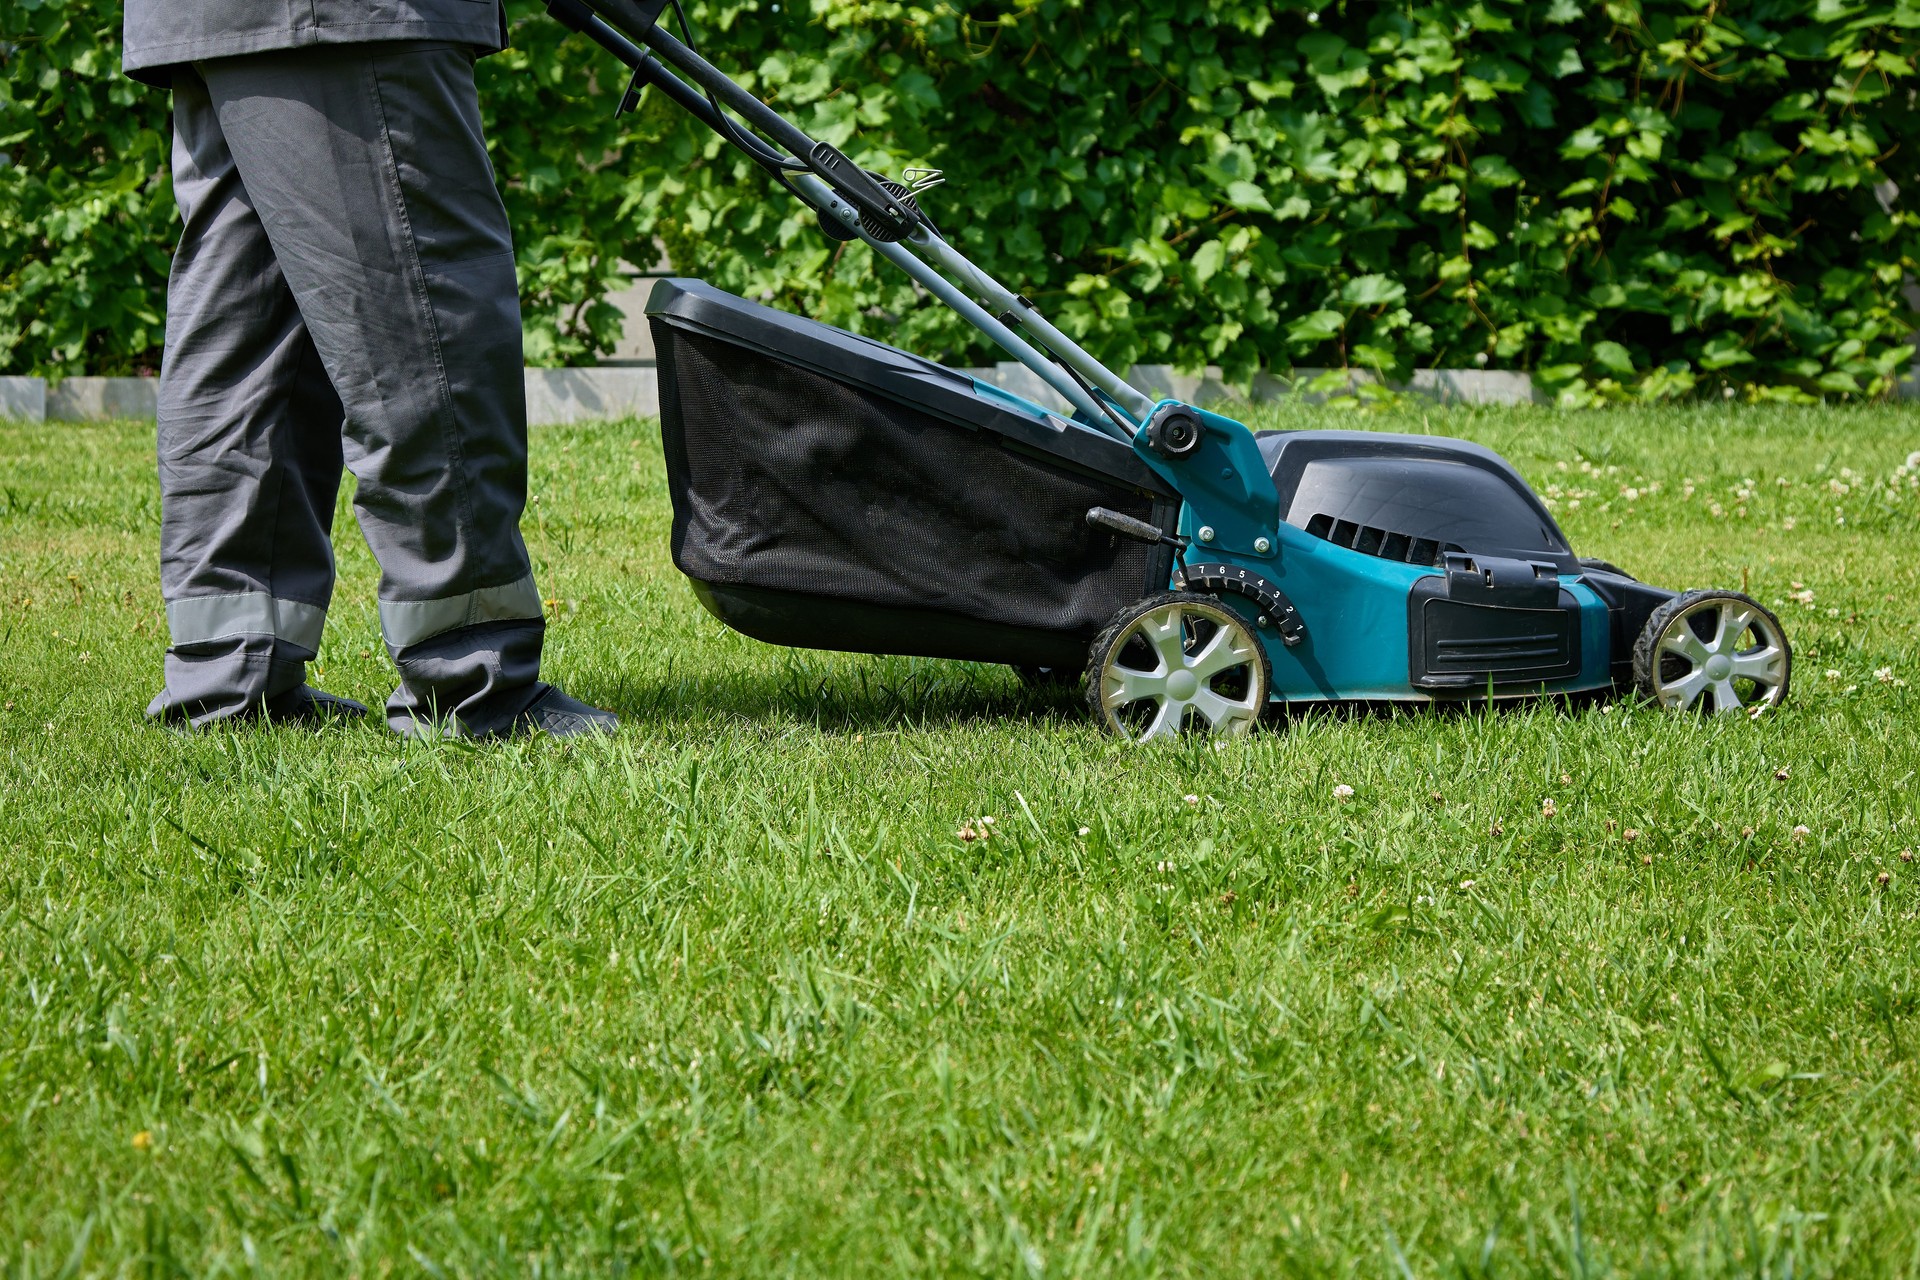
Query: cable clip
x=919, y=180
x=631, y=98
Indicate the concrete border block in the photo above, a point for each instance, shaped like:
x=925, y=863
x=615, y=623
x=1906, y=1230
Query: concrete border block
x=23, y=399
x=1476, y=386
x=101, y=399
x=1016, y=379
x=1162, y=382
x=1463, y=386
x=556, y=396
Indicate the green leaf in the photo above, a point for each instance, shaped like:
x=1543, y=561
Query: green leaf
x=1372, y=291
x=1723, y=351
x=1612, y=357
x=1315, y=327
x=1247, y=196
x=1208, y=260
x=1495, y=171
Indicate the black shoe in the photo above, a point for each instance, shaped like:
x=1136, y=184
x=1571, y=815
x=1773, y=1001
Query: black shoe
x=305, y=707
x=311, y=707
x=551, y=712
x=559, y=716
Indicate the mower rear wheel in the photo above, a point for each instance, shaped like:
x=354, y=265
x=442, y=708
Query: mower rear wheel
x=1175, y=663
x=1716, y=651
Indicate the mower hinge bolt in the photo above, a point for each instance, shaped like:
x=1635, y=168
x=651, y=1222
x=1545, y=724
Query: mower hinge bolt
x=1206, y=533
x=1262, y=545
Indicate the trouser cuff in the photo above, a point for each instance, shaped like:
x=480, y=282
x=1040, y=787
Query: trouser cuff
x=228, y=678
x=473, y=681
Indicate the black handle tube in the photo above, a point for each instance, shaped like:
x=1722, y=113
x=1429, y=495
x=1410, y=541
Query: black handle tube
x=574, y=14
x=893, y=220
x=622, y=21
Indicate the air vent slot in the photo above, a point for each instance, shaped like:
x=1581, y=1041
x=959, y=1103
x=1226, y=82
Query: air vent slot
x=1384, y=543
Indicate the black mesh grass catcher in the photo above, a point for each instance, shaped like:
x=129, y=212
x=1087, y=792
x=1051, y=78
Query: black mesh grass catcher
x=832, y=492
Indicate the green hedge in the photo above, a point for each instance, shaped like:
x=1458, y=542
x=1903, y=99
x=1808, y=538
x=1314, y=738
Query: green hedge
x=1630, y=199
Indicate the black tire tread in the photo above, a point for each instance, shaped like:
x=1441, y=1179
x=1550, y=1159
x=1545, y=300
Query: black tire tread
x=1645, y=660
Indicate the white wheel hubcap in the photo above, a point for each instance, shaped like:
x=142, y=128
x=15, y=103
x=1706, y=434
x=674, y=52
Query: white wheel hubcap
x=1185, y=666
x=1744, y=645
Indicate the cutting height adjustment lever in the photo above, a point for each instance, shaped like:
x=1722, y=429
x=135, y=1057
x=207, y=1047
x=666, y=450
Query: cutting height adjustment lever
x=1128, y=527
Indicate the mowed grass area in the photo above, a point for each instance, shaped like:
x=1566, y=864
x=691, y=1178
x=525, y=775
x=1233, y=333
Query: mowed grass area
x=730, y=994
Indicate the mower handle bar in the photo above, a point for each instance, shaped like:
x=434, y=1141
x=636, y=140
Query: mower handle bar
x=828, y=181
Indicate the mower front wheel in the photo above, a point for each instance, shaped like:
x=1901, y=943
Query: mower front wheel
x=1716, y=651
x=1175, y=663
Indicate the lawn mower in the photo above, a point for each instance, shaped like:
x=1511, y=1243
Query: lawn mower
x=834, y=492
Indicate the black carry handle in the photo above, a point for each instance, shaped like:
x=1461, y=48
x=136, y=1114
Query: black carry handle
x=1128, y=527
x=620, y=25
x=635, y=17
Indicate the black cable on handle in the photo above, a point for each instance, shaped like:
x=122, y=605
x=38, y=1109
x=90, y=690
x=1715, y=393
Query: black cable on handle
x=728, y=129
x=885, y=215
x=576, y=16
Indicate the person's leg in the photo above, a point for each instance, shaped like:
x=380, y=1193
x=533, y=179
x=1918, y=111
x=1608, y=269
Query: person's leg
x=249, y=451
x=371, y=177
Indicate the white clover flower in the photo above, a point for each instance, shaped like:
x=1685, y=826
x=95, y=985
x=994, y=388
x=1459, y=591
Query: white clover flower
x=1884, y=675
x=1342, y=792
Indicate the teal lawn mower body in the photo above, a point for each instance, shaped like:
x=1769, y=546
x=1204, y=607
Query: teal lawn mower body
x=1548, y=633
x=835, y=492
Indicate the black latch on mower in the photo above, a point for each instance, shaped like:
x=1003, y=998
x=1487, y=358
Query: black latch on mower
x=1493, y=580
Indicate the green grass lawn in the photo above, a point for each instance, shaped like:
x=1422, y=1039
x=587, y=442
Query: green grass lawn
x=730, y=994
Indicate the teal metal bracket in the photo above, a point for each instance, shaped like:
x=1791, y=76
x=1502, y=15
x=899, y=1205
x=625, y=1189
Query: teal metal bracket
x=1228, y=490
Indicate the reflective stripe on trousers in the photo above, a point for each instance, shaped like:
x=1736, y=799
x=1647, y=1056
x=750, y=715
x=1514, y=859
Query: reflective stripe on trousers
x=203, y=619
x=408, y=622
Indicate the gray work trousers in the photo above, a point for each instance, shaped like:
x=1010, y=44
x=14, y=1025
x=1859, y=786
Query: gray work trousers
x=343, y=293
